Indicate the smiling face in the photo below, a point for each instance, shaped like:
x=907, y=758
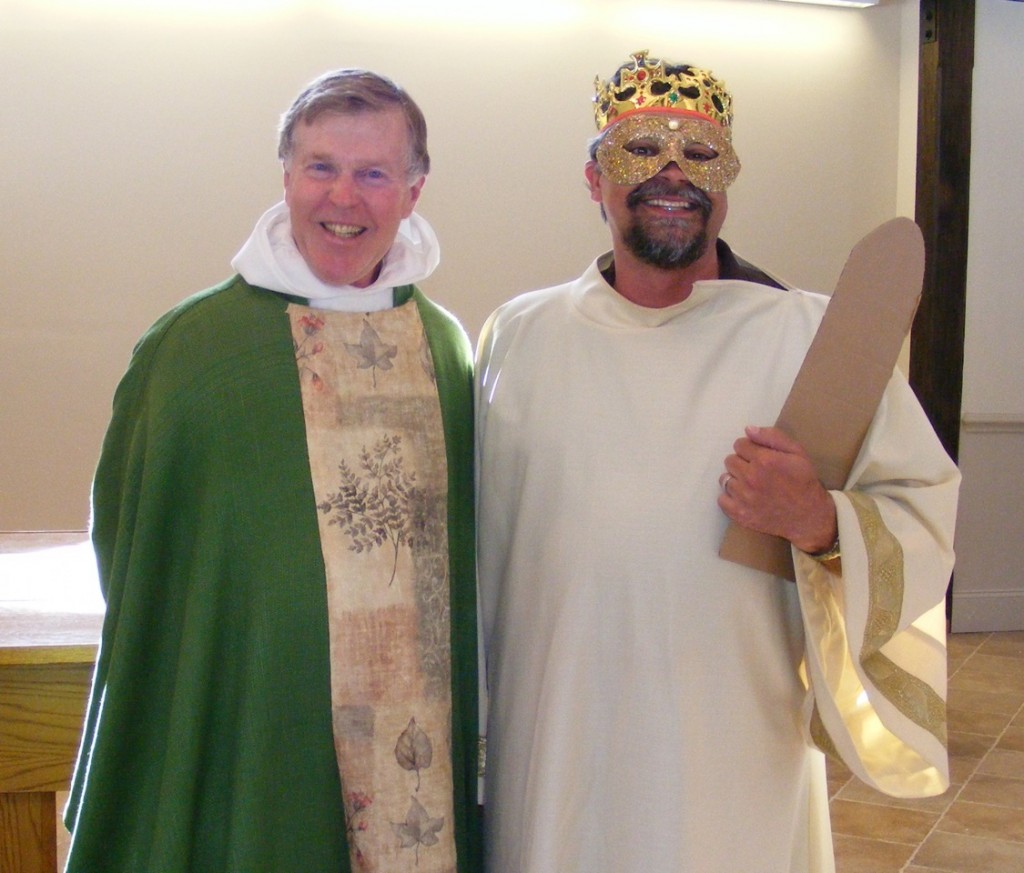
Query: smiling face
x=347, y=186
x=660, y=177
x=666, y=221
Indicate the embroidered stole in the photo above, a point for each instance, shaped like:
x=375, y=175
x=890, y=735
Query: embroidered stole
x=378, y=465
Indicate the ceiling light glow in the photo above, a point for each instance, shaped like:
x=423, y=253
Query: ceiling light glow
x=860, y=4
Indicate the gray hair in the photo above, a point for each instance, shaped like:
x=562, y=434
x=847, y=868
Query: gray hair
x=349, y=92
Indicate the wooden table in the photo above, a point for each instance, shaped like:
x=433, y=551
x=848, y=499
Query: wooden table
x=51, y=613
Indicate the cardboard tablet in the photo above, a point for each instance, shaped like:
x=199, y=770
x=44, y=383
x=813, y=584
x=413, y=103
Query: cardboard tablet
x=842, y=379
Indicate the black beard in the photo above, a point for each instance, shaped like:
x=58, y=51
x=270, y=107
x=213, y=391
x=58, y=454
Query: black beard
x=668, y=252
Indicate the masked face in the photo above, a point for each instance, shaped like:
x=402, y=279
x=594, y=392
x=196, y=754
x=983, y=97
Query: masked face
x=640, y=146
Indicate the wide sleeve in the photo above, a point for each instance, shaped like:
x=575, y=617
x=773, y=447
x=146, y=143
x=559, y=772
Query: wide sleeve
x=875, y=624
x=208, y=741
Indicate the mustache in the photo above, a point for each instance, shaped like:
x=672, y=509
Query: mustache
x=661, y=187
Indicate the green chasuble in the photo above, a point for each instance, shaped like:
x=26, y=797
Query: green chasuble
x=208, y=742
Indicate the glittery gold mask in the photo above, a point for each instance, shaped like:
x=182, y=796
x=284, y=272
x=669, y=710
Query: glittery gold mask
x=640, y=146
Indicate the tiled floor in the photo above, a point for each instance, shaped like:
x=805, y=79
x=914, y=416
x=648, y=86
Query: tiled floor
x=977, y=826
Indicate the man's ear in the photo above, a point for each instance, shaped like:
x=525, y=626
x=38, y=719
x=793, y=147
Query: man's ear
x=593, y=173
x=415, y=189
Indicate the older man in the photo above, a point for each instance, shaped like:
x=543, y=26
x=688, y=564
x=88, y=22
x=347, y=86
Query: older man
x=283, y=526
x=651, y=706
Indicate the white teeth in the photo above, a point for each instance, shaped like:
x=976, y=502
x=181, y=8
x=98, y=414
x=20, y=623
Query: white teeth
x=670, y=204
x=345, y=231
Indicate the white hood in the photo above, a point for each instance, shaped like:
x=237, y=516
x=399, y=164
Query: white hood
x=270, y=259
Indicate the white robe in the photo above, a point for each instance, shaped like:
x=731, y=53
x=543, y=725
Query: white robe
x=649, y=707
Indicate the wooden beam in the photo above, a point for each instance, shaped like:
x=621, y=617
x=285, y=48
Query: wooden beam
x=942, y=209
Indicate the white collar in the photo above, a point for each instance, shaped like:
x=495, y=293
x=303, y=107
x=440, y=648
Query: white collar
x=599, y=301
x=270, y=259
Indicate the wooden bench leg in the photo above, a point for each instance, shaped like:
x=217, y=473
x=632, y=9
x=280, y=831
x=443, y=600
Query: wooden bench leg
x=28, y=832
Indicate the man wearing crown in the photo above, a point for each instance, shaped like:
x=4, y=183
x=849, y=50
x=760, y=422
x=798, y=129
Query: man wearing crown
x=653, y=707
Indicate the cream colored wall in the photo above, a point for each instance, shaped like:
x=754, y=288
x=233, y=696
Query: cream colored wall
x=137, y=150
x=988, y=591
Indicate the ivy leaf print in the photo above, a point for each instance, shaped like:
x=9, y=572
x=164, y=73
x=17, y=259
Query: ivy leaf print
x=371, y=352
x=414, y=751
x=380, y=508
x=418, y=829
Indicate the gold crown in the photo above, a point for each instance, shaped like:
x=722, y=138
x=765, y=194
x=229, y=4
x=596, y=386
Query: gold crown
x=644, y=84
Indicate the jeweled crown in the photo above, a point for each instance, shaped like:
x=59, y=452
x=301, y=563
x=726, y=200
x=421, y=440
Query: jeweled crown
x=644, y=83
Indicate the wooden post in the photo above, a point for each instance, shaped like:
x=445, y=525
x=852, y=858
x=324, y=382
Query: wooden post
x=27, y=822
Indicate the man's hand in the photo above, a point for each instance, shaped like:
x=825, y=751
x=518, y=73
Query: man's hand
x=770, y=485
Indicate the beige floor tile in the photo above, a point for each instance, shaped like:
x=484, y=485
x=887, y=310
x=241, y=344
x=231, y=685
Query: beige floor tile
x=837, y=775
x=888, y=823
x=953, y=664
x=1006, y=671
x=962, y=645
x=969, y=678
x=999, y=655
x=962, y=769
x=857, y=855
x=1000, y=703
x=1010, y=644
x=1012, y=739
x=994, y=790
x=963, y=745
x=964, y=854
x=835, y=788
x=857, y=791
x=981, y=820
x=837, y=769
x=1003, y=762
x=971, y=721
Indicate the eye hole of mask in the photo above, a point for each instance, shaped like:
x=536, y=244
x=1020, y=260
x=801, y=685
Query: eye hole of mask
x=641, y=146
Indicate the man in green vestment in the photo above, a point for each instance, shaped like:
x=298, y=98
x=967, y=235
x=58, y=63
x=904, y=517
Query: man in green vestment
x=283, y=523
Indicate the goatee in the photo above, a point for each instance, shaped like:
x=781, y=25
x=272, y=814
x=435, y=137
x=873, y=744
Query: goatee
x=669, y=250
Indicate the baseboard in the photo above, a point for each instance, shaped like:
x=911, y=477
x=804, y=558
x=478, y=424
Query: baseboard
x=986, y=611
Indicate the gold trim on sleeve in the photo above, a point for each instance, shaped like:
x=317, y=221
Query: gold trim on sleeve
x=914, y=698
x=822, y=738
